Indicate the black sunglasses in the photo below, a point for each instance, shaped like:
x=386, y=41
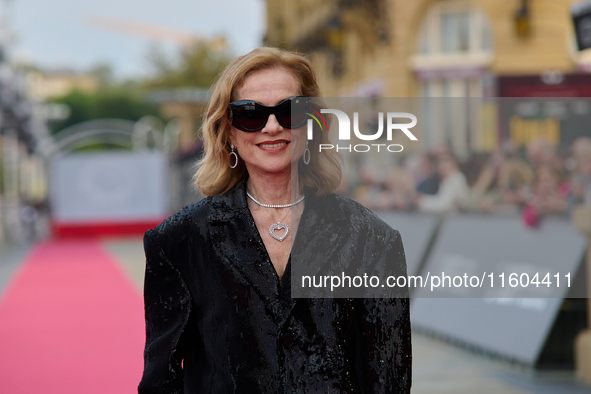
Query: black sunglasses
x=251, y=116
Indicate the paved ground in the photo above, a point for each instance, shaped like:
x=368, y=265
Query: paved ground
x=438, y=367
x=10, y=259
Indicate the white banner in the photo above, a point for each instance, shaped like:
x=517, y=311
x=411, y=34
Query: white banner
x=109, y=186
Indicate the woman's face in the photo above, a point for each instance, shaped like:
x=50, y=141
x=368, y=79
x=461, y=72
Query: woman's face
x=446, y=165
x=272, y=149
x=547, y=180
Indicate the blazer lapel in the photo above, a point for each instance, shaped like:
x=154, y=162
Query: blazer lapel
x=320, y=230
x=235, y=235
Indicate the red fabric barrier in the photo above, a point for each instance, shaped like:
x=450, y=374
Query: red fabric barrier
x=102, y=229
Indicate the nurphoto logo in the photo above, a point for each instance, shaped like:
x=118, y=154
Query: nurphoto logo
x=391, y=124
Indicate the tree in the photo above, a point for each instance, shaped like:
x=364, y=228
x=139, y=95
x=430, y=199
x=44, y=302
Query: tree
x=109, y=102
x=104, y=74
x=196, y=66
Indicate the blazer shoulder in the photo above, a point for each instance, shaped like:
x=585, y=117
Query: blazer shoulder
x=361, y=217
x=177, y=224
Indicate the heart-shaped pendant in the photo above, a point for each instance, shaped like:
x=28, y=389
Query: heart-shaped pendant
x=279, y=226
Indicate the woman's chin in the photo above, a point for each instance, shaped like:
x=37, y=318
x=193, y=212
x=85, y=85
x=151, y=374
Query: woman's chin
x=270, y=169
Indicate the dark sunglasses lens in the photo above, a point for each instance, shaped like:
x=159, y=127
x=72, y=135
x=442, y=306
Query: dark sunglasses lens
x=250, y=116
x=291, y=114
x=298, y=116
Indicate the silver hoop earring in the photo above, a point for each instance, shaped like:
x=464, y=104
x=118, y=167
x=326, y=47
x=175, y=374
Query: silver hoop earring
x=232, y=153
x=307, y=155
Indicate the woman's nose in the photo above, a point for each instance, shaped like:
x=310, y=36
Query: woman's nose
x=272, y=125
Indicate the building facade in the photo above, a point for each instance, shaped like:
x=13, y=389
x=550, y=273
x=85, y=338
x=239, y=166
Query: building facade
x=439, y=48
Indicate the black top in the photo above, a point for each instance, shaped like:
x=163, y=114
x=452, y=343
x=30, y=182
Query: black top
x=218, y=320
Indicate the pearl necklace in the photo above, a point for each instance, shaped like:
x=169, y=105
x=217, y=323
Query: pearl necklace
x=279, y=225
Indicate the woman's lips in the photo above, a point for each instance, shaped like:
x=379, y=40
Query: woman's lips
x=273, y=145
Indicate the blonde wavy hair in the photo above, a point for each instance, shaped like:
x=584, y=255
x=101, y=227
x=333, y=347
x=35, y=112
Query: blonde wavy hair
x=214, y=176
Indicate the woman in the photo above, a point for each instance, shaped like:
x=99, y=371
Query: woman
x=219, y=313
x=453, y=190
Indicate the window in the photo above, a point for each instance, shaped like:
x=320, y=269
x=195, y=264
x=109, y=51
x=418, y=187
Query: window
x=450, y=28
x=454, y=50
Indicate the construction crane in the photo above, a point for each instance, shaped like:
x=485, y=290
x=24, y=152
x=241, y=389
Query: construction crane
x=157, y=33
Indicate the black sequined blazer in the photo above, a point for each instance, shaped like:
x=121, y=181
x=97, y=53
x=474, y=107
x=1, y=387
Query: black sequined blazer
x=219, y=319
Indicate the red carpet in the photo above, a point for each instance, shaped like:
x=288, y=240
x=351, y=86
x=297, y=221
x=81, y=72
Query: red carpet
x=70, y=322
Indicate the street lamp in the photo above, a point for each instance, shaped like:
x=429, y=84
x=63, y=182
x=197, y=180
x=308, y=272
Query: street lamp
x=522, y=21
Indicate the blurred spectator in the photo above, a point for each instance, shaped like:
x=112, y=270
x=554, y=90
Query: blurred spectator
x=344, y=188
x=539, y=152
x=29, y=216
x=399, y=192
x=549, y=195
x=366, y=193
x=505, y=179
x=581, y=180
x=421, y=166
x=441, y=148
x=453, y=190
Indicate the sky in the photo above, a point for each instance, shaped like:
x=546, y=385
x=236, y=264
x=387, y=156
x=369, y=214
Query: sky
x=59, y=34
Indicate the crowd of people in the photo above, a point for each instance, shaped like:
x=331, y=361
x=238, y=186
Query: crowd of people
x=533, y=182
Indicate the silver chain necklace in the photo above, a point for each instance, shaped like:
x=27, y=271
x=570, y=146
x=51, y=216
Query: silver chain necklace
x=279, y=225
x=291, y=204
